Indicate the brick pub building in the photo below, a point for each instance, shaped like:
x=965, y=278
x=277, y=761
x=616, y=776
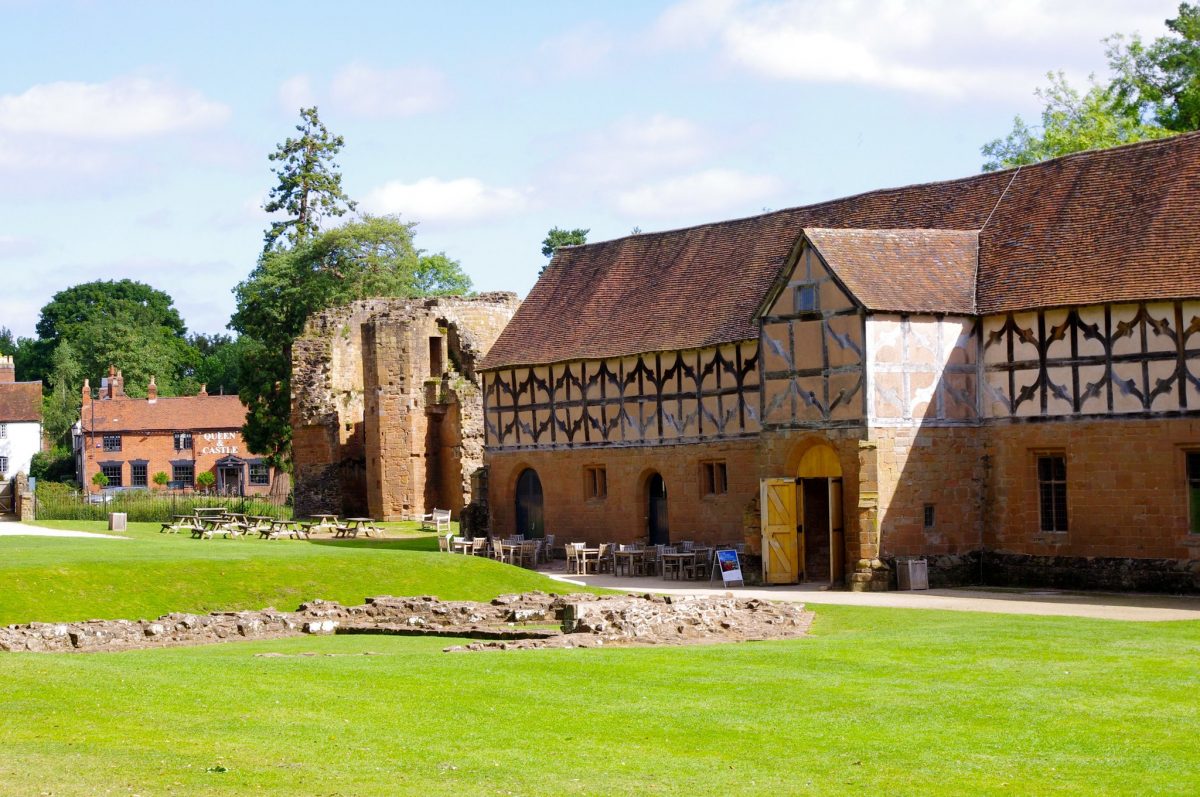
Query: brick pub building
x=132, y=439
x=1000, y=373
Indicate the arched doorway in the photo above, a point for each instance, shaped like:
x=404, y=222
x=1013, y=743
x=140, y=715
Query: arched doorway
x=819, y=512
x=530, y=521
x=656, y=510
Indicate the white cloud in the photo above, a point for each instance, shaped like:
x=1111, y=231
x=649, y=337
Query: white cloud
x=13, y=246
x=713, y=191
x=121, y=109
x=379, y=93
x=435, y=200
x=631, y=148
x=949, y=48
x=576, y=51
x=295, y=93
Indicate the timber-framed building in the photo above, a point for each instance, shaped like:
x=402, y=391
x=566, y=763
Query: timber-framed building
x=999, y=373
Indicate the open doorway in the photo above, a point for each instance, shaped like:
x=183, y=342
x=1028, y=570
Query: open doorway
x=530, y=518
x=802, y=521
x=656, y=510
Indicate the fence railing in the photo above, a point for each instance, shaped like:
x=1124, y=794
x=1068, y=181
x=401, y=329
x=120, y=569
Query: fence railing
x=153, y=507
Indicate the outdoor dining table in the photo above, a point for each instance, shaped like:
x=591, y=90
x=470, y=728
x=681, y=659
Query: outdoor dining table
x=324, y=520
x=584, y=561
x=627, y=560
x=461, y=545
x=279, y=528
x=679, y=559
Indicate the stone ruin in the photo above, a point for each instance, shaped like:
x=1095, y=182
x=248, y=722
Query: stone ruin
x=387, y=416
x=529, y=620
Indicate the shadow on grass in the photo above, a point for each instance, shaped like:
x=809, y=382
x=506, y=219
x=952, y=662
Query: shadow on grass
x=404, y=544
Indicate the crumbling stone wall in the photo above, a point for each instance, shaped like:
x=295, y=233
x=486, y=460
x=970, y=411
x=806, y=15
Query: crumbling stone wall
x=387, y=416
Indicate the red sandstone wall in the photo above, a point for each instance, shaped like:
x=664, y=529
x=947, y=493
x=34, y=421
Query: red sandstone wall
x=621, y=517
x=159, y=449
x=1126, y=488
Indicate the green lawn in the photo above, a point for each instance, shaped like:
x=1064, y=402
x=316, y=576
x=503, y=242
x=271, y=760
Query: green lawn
x=150, y=574
x=896, y=702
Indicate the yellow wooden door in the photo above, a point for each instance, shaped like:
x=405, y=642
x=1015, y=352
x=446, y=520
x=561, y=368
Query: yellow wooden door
x=780, y=549
x=837, y=533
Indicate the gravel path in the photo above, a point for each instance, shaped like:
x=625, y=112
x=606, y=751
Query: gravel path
x=1100, y=605
x=11, y=528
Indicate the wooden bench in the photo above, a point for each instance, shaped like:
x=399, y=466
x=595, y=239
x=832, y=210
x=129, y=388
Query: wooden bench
x=438, y=520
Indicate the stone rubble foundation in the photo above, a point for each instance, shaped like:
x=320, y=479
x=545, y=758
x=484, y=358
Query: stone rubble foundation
x=510, y=622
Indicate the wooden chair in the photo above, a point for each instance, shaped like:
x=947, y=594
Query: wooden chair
x=701, y=566
x=438, y=520
x=444, y=543
x=528, y=553
x=547, y=545
x=572, y=551
x=499, y=553
x=479, y=546
x=604, y=559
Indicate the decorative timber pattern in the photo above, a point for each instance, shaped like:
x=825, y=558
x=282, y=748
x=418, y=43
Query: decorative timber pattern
x=1094, y=360
x=923, y=370
x=813, y=349
x=649, y=399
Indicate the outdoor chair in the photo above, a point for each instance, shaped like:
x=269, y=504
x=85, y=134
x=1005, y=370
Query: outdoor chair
x=479, y=546
x=528, y=553
x=701, y=566
x=604, y=559
x=572, y=551
x=547, y=545
x=438, y=520
x=444, y=543
x=499, y=553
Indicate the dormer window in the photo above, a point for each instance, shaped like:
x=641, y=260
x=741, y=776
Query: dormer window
x=806, y=298
x=112, y=442
x=183, y=441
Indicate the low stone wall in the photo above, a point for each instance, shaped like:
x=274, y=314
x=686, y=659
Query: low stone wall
x=509, y=621
x=1092, y=572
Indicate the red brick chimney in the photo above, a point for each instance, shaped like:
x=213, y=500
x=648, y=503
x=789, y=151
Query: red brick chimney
x=203, y=390
x=152, y=391
x=86, y=390
x=8, y=371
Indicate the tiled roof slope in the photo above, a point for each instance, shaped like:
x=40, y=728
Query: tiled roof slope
x=1108, y=225
x=903, y=270
x=181, y=413
x=20, y=402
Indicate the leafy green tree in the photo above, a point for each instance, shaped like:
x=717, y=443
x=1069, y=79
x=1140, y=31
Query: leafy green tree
x=310, y=186
x=205, y=480
x=558, y=237
x=1160, y=81
x=218, y=363
x=161, y=478
x=122, y=323
x=373, y=256
x=99, y=479
x=55, y=465
x=8, y=344
x=1071, y=122
x=1154, y=92
x=60, y=406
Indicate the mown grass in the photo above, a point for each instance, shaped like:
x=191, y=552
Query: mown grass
x=876, y=701
x=879, y=701
x=150, y=574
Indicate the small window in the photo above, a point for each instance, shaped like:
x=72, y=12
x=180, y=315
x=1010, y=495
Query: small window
x=112, y=471
x=183, y=441
x=137, y=474
x=112, y=442
x=183, y=474
x=595, y=482
x=714, y=477
x=929, y=516
x=260, y=474
x=806, y=298
x=3, y=430
x=435, y=356
x=3, y=465
x=1193, y=486
x=1052, y=492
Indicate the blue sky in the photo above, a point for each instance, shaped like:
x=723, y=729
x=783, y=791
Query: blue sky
x=134, y=136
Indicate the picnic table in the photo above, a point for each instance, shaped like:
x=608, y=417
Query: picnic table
x=354, y=525
x=323, y=520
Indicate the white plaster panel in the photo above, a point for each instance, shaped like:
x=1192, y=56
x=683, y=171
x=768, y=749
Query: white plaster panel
x=1160, y=328
x=1126, y=334
x=995, y=346
x=1058, y=335
x=21, y=442
x=1092, y=317
x=1024, y=344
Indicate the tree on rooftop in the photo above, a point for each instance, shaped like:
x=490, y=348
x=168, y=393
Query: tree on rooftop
x=557, y=237
x=310, y=185
x=1154, y=92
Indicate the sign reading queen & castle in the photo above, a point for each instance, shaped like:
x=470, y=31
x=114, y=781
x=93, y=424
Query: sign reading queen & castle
x=217, y=443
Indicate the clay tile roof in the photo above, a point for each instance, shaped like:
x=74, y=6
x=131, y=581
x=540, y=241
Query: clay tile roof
x=184, y=413
x=20, y=402
x=903, y=270
x=1110, y=225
